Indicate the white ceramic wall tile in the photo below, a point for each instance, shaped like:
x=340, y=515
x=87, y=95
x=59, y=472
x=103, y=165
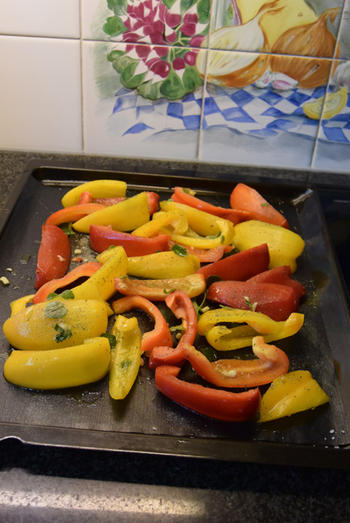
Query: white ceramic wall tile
x=40, y=94
x=120, y=121
x=40, y=18
x=94, y=14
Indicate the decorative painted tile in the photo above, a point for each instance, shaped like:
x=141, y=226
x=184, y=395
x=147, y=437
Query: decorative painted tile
x=293, y=27
x=40, y=99
x=333, y=146
x=254, y=115
x=40, y=18
x=156, y=22
x=345, y=32
x=141, y=100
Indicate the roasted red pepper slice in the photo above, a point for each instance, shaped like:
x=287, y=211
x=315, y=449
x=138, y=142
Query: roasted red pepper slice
x=248, y=199
x=102, y=237
x=234, y=215
x=160, y=334
x=275, y=300
x=280, y=275
x=153, y=201
x=270, y=363
x=53, y=256
x=204, y=255
x=182, y=307
x=109, y=201
x=73, y=213
x=239, y=266
x=84, y=270
x=214, y=403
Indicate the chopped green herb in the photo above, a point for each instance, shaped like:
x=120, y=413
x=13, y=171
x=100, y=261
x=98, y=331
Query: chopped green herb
x=168, y=291
x=111, y=338
x=52, y=295
x=252, y=306
x=213, y=236
x=68, y=229
x=111, y=247
x=179, y=250
x=177, y=328
x=200, y=308
x=264, y=204
x=222, y=239
x=25, y=259
x=63, y=332
x=67, y=295
x=55, y=309
x=125, y=364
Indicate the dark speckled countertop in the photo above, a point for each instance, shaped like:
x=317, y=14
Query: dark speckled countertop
x=40, y=483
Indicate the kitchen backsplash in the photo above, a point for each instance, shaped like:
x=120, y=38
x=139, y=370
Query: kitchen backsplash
x=253, y=82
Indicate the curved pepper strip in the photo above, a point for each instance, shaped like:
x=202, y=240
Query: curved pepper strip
x=234, y=373
x=248, y=199
x=20, y=304
x=182, y=307
x=162, y=219
x=53, y=255
x=97, y=188
x=73, y=213
x=59, y=368
x=161, y=265
x=125, y=357
x=214, y=403
x=224, y=237
x=294, y=392
x=160, y=334
x=103, y=237
x=222, y=338
x=85, y=197
x=280, y=275
x=84, y=270
x=157, y=290
x=187, y=196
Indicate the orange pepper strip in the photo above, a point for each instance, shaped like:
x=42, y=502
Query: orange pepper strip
x=73, y=213
x=86, y=269
x=160, y=335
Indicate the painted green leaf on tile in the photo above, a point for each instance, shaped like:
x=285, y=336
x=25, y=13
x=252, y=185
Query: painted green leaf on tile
x=191, y=79
x=113, y=55
x=128, y=77
x=228, y=17
x=173, y=87
x=186, y=4
x=150, y=90
x=114, y=26
x=118, y=6
x=122, y=62
x=169, y=3
x=203, y=10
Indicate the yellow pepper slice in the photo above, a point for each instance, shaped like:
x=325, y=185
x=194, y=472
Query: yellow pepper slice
x=59, y=368
x=56, y=323
x=202, y=222
x=225, y=237
x=123, y=216
x=20, y=304
x=224, y=339
x=162, y=219
x=291, y=393
x=125, y=357
x=100, y=286
x=284, y=245
x=161, y=265
x=98, y=189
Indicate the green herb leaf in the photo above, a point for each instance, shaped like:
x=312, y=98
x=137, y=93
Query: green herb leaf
x=55, y=309
x=63, y=332
x=179, y=250
x=111, y=338
x=68, y=229
x=252, y=306
x=67, y=295
x=52, y=295
x=264, y=204
x=177, y=328
x=125, y=364
x=168, y=291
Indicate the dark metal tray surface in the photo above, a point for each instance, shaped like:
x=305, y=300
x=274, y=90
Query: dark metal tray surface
x=85, y=417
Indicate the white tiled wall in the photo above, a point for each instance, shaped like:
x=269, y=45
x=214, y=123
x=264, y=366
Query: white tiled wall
x=59, y=93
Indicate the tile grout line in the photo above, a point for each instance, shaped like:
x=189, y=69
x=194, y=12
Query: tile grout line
x=82, y=119
x=333, y=60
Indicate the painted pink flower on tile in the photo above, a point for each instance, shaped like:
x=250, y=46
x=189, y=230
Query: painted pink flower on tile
x=156, y=61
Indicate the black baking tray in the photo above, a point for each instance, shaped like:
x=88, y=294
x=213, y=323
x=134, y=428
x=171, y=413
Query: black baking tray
x=147, y=422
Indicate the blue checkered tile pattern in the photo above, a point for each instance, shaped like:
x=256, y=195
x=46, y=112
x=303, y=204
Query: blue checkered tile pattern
x=259, y=112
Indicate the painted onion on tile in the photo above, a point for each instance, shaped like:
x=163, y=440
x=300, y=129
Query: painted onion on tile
x=313, y=39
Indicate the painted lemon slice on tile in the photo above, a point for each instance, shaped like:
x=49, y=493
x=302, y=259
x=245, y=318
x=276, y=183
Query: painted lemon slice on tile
x=335, y=102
